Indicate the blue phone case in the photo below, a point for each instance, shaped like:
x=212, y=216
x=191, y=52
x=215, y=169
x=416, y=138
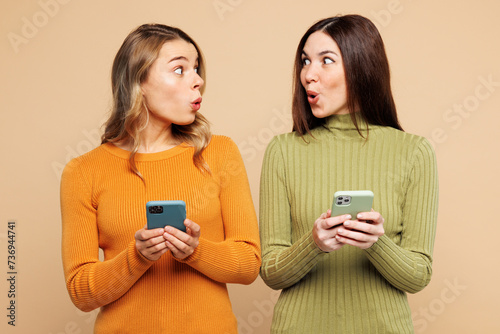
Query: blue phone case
x=162, y=213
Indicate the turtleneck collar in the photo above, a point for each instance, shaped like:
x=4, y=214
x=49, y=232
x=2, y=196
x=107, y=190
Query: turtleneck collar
x=343, y=125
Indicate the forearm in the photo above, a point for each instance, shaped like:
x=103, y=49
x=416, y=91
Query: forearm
x=229, y=261
x=92, y=284
x=409, y=271
x=284, y=266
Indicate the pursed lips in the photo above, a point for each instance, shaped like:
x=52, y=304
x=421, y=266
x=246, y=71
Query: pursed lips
x=312, y=96
x=196, y=104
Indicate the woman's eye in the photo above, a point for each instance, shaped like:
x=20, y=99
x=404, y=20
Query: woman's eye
x=196, y=70
x=178, y=70
x=306, y=61
x=328, y=61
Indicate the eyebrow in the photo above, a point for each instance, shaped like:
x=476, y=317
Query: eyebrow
x=178, y=58
x=197, y=61
x=322, y=53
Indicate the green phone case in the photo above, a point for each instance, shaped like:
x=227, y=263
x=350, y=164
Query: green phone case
x=162, y=213
x=352, y=202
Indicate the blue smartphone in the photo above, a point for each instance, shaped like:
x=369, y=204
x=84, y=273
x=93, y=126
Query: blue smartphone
x=162, y=213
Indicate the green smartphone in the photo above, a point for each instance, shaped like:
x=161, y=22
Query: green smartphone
x=162, y=213
x=352, y=202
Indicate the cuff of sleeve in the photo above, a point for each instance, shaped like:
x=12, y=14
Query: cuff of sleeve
x=226, y=262
x=289, y=265
x=307, y=250
x=136, y=259
x=310, y=245
x=195, y=256
x=382, y=242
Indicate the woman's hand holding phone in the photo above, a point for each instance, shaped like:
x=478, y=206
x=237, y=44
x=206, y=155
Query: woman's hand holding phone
x=182, y=244
x=168, y=230
x=362, y=232
x=325, y=230
x=331, y=233
x=150, y=243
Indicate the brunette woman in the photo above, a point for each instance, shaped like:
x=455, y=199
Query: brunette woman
x=346, y=274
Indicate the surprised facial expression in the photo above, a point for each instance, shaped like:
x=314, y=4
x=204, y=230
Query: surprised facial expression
x=323, y=77
x=172, y=87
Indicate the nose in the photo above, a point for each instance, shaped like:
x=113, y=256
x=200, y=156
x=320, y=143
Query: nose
x=198, y=81
x=310, y=73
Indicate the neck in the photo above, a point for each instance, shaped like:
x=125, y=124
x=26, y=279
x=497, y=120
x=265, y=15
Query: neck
x=154, y=139
x=157, y=138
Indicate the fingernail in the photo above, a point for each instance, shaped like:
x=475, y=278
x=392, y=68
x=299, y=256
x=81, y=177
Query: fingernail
x=347, y=223
x=349, y=217
x=340, y=230
x=360, y=215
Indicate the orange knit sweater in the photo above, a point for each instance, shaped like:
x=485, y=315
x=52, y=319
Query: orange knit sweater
x=103, y=204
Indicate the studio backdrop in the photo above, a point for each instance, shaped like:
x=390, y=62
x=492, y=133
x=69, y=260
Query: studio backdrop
x=56, y=58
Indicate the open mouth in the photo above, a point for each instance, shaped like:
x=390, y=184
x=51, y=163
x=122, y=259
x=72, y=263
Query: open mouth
x=196, y=104
x=312, y=97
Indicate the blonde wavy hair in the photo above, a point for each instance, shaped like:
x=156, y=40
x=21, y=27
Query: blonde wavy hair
x=129, y=115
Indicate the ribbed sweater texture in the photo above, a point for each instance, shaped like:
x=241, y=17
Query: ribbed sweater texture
x=349, y=290
x=103, y=204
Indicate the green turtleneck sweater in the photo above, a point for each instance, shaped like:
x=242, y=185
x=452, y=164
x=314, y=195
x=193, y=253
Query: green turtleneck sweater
x=349, y=290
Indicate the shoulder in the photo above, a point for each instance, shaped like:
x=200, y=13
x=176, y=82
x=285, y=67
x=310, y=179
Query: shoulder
x=218, y=141
x=423, y=152
x=221, y=152
x=100, y=152
x=86, y=162
x=408, y=141
x=220, y=144
x=419, y=145
x=288, y=141
x=414, y=149
x=282, y=146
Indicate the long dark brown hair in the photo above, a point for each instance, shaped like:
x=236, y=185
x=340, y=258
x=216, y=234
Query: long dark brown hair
x=129, y=115
x=366, y=70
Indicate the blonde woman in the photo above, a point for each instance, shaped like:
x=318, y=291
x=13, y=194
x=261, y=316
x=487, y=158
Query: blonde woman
x=157, y=146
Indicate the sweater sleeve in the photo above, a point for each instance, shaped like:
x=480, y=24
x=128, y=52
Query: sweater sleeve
x=284, y=262
x=90, y=282
x=408, y=266
x=237, y=259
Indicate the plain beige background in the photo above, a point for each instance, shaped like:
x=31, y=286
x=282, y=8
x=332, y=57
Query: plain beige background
x=55, y=65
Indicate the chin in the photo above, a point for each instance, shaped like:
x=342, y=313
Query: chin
x=319, y=113
x=186, y=121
